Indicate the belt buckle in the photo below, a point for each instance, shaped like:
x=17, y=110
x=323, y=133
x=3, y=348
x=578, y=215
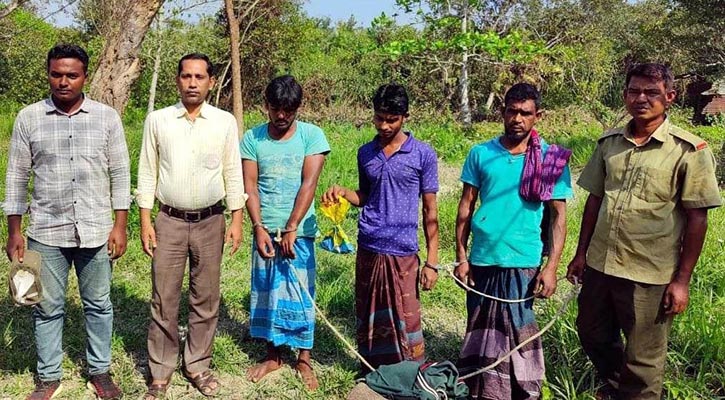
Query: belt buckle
x=196, y=216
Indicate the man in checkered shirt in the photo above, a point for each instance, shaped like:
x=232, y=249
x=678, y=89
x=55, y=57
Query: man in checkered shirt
x=75, y=150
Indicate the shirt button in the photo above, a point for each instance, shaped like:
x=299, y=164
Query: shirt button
x=73, y=180
x=71, y=158
x=70, y=137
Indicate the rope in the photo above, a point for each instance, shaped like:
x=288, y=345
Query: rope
x=329, y=324
x=464, y=286
x=574, y=291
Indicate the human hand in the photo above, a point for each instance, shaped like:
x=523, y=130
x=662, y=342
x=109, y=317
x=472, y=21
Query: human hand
x=234, y=236
x=576, y=269
x=332, y=194
x=428, y=278
x=148, y=239
x=545, y=284
x=462, y=272
x=288, y=244
x=117, y=242
x=15, y=246
x=265, y=247
x=676, y=297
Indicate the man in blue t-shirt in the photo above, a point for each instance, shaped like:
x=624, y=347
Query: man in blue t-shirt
x=282, y=161
x=514, y=176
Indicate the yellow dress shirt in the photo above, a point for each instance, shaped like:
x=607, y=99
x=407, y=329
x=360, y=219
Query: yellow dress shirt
x=645, y=190
x=187, y=164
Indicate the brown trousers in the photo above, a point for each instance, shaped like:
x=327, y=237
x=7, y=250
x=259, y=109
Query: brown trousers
x=609, y=305
x=202, y=243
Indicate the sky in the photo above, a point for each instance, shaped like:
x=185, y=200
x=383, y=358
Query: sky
x=363, y=10
x=337, y=10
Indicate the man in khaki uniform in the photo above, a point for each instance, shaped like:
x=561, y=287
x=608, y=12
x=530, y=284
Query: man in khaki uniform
x=650, y=185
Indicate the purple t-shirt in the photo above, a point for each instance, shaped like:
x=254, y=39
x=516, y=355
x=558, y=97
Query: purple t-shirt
x=389, y=220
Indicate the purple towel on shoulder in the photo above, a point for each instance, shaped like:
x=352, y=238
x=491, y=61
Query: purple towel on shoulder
x=539, y=176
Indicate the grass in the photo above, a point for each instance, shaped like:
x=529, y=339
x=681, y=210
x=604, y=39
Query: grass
x=696, y=361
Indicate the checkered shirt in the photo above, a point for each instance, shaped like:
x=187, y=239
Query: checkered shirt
x=80, y=169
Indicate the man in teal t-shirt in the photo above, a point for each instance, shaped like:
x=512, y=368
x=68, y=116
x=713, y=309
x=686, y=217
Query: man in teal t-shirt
x=282, y=161
x=514, y=176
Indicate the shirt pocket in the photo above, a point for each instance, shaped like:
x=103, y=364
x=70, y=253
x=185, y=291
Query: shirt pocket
x=654, y=185
x=211, y=160
x=89, y=145
x=211, y=149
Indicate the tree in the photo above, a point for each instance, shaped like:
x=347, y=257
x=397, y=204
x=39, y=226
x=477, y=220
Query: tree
x=123, y=25
x=10, y=7
x=459, y=32
x=234, y=39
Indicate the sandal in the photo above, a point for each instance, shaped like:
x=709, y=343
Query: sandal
x=204, y=383
x=156, y=391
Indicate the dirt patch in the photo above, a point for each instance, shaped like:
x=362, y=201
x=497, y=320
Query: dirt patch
x=448, y=179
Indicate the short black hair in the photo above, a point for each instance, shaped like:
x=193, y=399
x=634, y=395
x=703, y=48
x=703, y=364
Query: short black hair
x=521, y=92
x=67, y=51
x=283, y=92
x=196, y=56
x=653, y=71
x=391, y=98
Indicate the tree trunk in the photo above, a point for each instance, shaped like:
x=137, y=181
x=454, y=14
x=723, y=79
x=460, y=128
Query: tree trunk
x=220, y=83
x=489, y=100
x=155, y=78
x=465, y=104
x=237, y=105
x=119, y=65
x=11, y=7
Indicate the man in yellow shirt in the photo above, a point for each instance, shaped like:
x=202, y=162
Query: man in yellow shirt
x=189, y=162
x=650, y=186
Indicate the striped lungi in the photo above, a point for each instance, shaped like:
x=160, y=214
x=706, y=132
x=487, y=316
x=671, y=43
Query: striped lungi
x=387, y=306
x=281, y=312
x=494, y=328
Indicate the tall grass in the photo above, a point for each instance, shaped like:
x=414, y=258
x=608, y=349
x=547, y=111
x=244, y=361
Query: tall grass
x=697, y=347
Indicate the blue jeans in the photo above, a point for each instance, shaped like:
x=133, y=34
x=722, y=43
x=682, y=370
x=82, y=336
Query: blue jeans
x=93, y=269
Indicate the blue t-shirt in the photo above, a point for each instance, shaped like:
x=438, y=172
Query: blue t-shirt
x=506, y=229
x=279, y=165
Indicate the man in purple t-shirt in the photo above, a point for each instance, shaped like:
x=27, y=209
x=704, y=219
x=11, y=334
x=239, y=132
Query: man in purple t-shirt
x=395, y=172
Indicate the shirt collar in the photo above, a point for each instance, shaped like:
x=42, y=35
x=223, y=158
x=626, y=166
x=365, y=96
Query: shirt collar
x=181, y=110
x=660, y=134
x=50, y=106
x=406, y=147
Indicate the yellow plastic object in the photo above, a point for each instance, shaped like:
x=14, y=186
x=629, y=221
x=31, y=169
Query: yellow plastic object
x=336, y=240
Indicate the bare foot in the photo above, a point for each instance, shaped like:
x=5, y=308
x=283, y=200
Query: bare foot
x=304, y=369
x=257, y=372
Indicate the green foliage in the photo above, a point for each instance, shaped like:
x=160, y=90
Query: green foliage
x=175, y=38
x=23, y=56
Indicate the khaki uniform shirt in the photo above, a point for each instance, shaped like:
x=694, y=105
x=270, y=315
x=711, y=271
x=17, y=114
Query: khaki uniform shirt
x=645, y=190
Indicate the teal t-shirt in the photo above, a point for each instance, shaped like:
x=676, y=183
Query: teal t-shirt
x=506, y=229
x=279, y=165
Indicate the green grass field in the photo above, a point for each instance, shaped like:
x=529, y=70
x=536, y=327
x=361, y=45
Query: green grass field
x=696, y=362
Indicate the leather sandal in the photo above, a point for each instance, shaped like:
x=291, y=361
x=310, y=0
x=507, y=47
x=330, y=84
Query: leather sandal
x=156, y=391
x=204, y=383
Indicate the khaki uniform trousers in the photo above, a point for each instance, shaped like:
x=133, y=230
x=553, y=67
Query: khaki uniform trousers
x=611, y=306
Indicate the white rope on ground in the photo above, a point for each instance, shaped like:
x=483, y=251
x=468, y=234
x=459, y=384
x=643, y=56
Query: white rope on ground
x=329, y=324
x=574, y=291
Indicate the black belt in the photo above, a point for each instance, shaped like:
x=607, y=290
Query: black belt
x=193, y=215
